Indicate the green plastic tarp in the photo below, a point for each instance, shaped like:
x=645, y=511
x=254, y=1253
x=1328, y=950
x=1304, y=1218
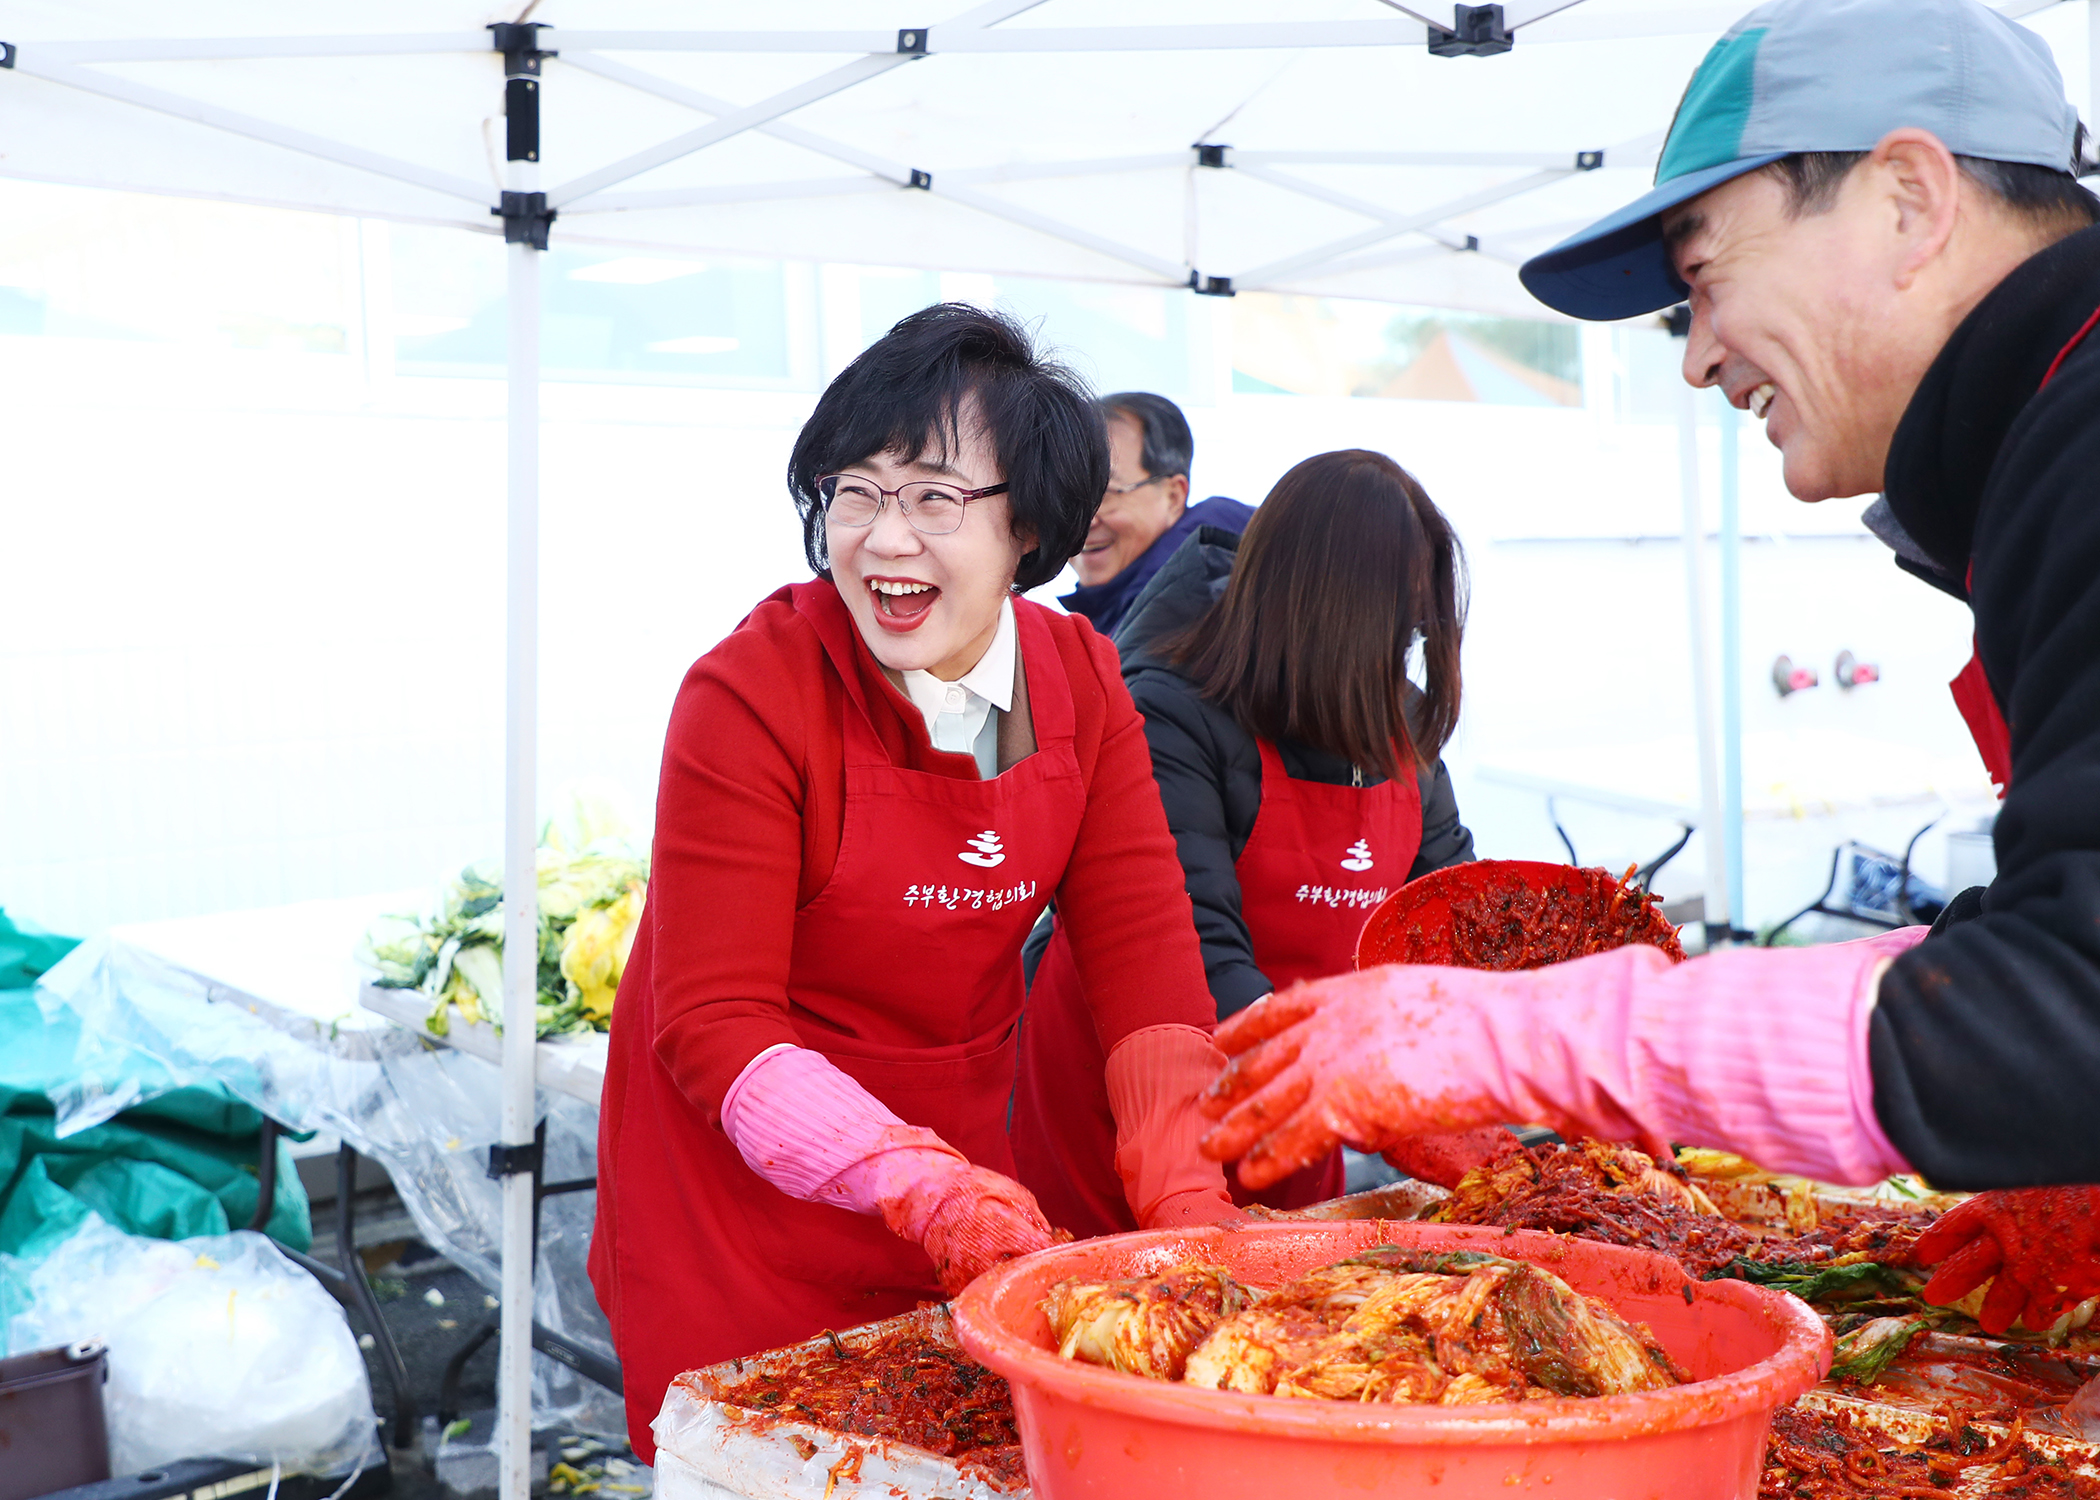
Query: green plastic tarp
x=181, y=1164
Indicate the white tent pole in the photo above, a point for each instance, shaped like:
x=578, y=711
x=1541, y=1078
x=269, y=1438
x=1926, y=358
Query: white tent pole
x=127, y=91
x=1712, y=840
x=1732, y=659
x=1320, y=255
x=521, y=945
x=226, y=48
x=785, y=102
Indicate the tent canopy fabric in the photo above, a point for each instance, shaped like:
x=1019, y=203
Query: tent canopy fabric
x=1280, y=145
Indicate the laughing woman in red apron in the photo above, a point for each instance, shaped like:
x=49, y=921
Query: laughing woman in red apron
x=1298, y=768
x=869, y=792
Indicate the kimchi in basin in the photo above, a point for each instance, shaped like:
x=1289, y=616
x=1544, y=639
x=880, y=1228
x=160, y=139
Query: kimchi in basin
x=1094, y=1432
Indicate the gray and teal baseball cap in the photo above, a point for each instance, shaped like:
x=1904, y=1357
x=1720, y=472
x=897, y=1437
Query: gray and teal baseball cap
x=1818, y=75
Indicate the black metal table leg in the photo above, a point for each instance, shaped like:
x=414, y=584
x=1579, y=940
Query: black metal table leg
x=456, y=1368
x=265, y=1176
x=360, y=1285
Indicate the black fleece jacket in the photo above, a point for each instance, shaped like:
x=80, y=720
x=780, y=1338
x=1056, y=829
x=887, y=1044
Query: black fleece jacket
x=1209, y=768
x=1986, y=1038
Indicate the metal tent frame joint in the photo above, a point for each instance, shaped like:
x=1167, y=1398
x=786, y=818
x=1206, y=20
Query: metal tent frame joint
x=1475, y=31
x=911, y=42
x=1208, y=155
x=526, y=218
x=1211, y=286
x=519, y=42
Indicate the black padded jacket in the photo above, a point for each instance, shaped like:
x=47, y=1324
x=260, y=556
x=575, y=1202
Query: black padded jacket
x=1986, y=1038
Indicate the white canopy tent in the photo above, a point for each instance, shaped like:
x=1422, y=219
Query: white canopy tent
x=1331, y=147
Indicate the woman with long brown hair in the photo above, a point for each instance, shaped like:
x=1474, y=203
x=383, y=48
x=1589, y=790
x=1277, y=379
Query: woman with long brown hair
x=1298, y=760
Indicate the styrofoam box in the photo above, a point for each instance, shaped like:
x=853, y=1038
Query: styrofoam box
x=708, y=1448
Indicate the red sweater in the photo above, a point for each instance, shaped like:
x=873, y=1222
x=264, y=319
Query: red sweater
x=750, y=809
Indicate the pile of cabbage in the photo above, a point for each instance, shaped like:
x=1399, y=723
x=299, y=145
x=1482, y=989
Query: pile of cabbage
x=592, y=883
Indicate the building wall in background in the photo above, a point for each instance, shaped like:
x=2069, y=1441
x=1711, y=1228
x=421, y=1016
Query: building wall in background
x=250, y=649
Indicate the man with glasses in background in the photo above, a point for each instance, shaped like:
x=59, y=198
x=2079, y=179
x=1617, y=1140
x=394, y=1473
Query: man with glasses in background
x=1145, y=513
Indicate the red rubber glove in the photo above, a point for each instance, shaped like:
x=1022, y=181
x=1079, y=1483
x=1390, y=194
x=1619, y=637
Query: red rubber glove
x=967, y=1219
x=2042, y=1245
x=1155, y=1077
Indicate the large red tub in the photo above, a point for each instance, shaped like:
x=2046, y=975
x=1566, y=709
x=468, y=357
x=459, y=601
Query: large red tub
x=1093, y=1432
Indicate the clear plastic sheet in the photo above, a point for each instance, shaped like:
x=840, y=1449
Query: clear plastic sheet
x=219, y=1347
x=425, y=1113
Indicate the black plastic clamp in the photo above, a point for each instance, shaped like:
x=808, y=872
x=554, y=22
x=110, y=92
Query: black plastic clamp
x=519, y=42
x=7, y=54
x=1211, y=156
x=513, y=1161
x=1472, y=242
x=923, y=181
x=1588, y=161
x=1476, y=31
x=911, y=41
x=526, y=219
x=1211, y=286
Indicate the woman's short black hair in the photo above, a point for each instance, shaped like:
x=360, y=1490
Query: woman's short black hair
x=903, y=396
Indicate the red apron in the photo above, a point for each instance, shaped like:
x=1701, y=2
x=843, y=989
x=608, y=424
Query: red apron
x=1319, y=859
x=1972, y=690
x=905, y=973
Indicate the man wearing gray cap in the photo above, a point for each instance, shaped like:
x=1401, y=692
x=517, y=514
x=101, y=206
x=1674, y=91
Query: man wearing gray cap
x=1872, y=208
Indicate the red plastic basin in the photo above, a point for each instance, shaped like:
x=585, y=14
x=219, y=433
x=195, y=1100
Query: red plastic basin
x=1093, y=1432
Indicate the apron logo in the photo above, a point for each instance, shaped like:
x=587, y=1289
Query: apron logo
x=1359, y=856
x=988, y=851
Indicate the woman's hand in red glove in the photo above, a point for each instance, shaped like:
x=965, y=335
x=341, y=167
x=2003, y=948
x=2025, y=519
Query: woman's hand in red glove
x=966, y=1218
x=2041, y=1244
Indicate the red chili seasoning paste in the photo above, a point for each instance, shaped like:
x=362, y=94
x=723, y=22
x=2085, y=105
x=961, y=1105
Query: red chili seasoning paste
x=1812, y=1455
x=906, y=1387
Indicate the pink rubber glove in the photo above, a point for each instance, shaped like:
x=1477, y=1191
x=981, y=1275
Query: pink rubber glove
x=817, y=1135
x=1761, y=1051
x=1445, y=1159
x=1155, y=1077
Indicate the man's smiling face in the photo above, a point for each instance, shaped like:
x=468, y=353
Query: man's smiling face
x=1799, y=321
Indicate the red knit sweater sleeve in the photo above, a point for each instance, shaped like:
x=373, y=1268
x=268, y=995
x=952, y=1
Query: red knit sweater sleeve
x=729, y=853
x=1122, y=901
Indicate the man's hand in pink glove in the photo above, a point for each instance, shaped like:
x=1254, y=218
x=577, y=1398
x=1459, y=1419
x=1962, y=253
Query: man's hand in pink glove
x=2041, y=1244
x=967, y=1219
x=1445, y=1159
x=1761, y=1051
x=1354, y=1058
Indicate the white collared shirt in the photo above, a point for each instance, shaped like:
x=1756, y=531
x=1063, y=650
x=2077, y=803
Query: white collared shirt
x=957, y=712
